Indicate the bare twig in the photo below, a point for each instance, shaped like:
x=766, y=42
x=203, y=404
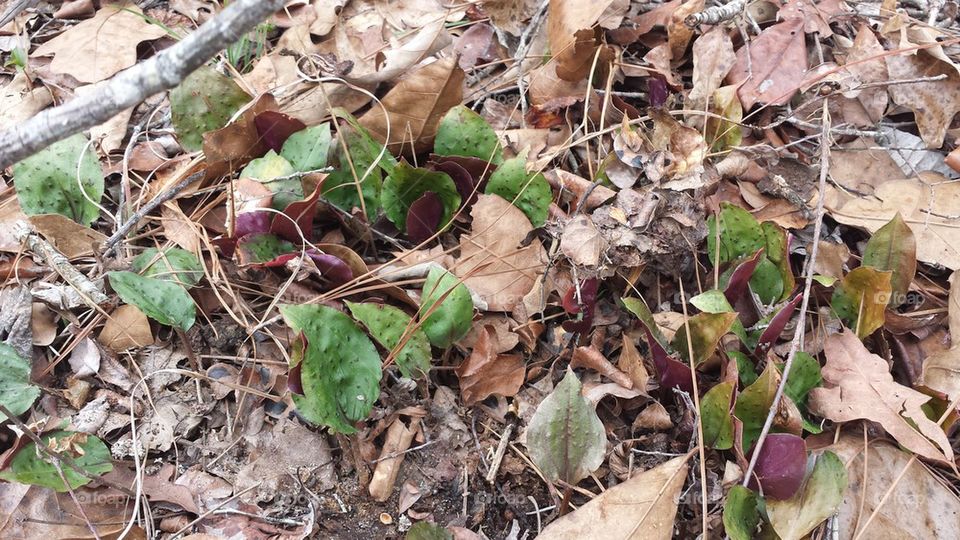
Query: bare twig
x=167, y=195
x=797, y=343
x=128, y=88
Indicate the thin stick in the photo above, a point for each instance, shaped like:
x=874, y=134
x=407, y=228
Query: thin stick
x=801, y=321
x=696, y=403
x=167, y=195
x=128, y=88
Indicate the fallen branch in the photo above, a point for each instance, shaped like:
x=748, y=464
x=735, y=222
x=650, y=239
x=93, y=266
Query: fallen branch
x=128, y=88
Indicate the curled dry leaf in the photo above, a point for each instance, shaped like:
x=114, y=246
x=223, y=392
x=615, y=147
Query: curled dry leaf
x=415, y=106
x=566, y=18
x=941, y=370
x=858, y=385
x=485, y=372
x=591, y=358
x=398, y=439
x=127, y=327
x=494, y=263
x=642, y=507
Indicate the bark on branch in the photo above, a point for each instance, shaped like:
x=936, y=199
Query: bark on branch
x=128, y=88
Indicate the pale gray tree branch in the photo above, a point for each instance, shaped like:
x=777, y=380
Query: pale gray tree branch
x=128, y=88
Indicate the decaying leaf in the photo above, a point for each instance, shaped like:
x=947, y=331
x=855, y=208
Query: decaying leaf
x=925, y=202
x=918, y=506
x=486, y=372
x=98, y=48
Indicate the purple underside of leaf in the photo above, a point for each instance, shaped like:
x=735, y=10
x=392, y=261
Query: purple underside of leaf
x=479, y=169
x=587, y=306
x=252, y=223
x=781, y=465
x=777, y=324
x=297, y=214
x=658, y=91
x=423, y=217
x=672, y=373
x=274, y=128
x=294, y=383
x=740, y=278
x=331, y=268
x=466, y=186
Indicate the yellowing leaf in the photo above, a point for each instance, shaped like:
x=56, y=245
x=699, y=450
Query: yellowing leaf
x=861, y=298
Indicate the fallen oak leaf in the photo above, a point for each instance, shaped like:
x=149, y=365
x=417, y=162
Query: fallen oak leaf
x=858, y=385
x=770, y=68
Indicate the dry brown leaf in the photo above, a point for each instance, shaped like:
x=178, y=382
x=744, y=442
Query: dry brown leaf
x=415, y=106
x=918, y=506
x=582, y=243
x=858, y=385
x=934, y=103
x=126, y=328
x=395, y=444
x=492, y=263
x=872, y=101
x=505, y=338
x=564, y=21
x=510, y=15
x=653, y=417
x=485, y=373
x=101, y=47
x=678, y=33
x=643, y=507
x=398, y=60
x=70, y=238
x=590, y=358
x=43, y=324
x=776, y=64
x=713, y=57
x=548, y=92
x=921, y=202
x=631, y=363
x=288, y=454
x=565, y=181
x=19, y=100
